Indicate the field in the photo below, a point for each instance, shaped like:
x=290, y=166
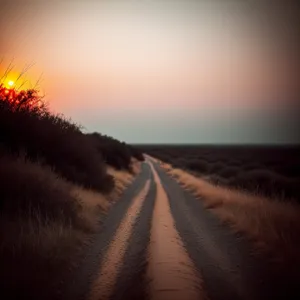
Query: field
x=272, y=171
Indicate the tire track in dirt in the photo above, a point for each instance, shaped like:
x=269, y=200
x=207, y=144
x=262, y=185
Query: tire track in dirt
x=87, y=271
x=104, y=285
x=171, y=274
x=131, y=282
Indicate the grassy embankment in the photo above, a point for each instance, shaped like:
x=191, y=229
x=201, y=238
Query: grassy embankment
x=55, y=182
x=271, y=224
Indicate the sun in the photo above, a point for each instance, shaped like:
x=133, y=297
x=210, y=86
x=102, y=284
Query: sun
x=11, y=83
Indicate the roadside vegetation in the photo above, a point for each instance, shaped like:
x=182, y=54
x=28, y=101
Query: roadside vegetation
x=268, y=171
x=55, y=183
x=270, y=223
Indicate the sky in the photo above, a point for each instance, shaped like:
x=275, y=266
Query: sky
x=161, y=71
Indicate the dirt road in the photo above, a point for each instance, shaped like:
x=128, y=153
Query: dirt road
x=158, y=242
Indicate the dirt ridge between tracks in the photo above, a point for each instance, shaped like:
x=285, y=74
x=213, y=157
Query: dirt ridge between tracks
x=132, y=281
x=171, y=273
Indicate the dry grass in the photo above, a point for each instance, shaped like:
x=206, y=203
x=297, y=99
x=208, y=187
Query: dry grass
x=272, y=225
x=135, y=166
x=37, y=259
x=42, y=230
x=122, y=179
x=93, y=204
x=45, y=223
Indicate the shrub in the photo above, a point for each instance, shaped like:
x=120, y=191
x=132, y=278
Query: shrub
x=251, y=166
x=29, y=190
x=228, y=172
x=55, y=140
x=217, y=180
x=216, y=167
x=179, y=162
x=198, y=165
x=234, y=163
x=115, y=153
x=136, y=153
x=290, y=169
x=268, y=183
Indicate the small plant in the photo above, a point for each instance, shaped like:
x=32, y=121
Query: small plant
x=24, y=99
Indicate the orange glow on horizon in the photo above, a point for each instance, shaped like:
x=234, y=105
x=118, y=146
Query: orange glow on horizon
x=16, y=79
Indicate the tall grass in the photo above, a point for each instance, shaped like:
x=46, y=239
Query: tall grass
x=41, y=230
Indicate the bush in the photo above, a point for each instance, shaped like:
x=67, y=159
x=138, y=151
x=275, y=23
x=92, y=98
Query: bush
x=228, y=172
x=235, y=163
x=291, y=169
x=55, y=140
x=29, y=190
x=198, y=165
x=136, y=153
x=267, y=183
x=216, y=167
x=251, y=166
x=272, y=171
x=179, y=162
x=116, y=154
x=217, y=180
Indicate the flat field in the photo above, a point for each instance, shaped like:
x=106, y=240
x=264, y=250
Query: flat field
x=272, y=171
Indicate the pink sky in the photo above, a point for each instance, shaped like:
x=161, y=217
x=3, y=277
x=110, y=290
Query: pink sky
x=114, y=58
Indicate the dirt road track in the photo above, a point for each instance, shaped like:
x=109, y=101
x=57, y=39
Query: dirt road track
x=158, y=242
x=171, y=273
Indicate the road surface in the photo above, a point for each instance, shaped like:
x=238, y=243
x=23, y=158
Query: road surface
x=158, y=242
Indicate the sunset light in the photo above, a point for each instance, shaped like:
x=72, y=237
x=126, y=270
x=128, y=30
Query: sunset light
x=190, y=64
x=149, y=149
x=11, y=83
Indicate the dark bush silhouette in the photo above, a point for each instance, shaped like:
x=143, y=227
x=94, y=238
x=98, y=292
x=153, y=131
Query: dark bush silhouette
x=268, y=170
x=267, y=183
x=56, y=141
x=115, y=153
x=251, y=166
x=215, y=179
x=228, y=172
x=179, y=162
x=216, y=167
x=34, y=190
x=200, y=166
x=234, y=163
x=136, y=153
x=291, y=169
x=53, y=139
